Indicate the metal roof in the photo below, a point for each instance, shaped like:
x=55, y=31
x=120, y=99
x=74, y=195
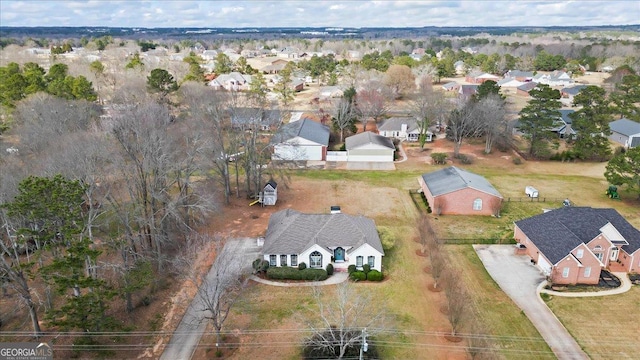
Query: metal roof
x=625, y=126
x=453, y=179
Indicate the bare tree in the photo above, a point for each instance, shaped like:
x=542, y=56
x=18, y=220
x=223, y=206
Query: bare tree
x=492, y=116
x=438, y=265
x=439, y=204
x=457, y=301
x=495, y=204
x=343, y=320
x=463, y=123
x=479, y=345
x=428, y=107
x=373, y=102
x=219, y=288
x=343, y=116
x=400, y=80
x=427, y=234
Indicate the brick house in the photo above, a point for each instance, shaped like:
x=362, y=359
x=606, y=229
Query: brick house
x=456, y=191
x=571, y=245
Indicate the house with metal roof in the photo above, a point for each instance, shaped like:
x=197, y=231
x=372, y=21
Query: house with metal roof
x=571, y=245
x=456, y=191
x=320, y=239
x=625, y=132
x=369, y=147
x=302, y=140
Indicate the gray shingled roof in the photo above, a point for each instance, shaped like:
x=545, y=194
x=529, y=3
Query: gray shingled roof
x=366, y=138
x=453, y=179
x=292, y=232
x=250, y=116
x=520, y=73
x=574, y=90
x=528, y=86
x=557, y=232
x=304, y=128
x=395, y=124
x=625, y=127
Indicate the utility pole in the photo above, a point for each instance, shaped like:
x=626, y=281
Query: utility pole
x=364, y=347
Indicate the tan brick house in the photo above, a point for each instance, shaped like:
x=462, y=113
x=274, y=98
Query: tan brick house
x=455, y=191
x=571, y=245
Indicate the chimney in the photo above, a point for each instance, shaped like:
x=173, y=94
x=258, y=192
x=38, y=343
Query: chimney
x=335, y=209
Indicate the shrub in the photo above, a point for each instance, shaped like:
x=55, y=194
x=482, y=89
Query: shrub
x=264, y=265
x=464, y=159
x=366, y=268
x=387, y=238
x=257, y=265
x=439, y=158
x=517, y=160
x=374, y=275
x=358, y=276
x=289, y=273
x=302, y=266
x=351, y=269
x=329, y=269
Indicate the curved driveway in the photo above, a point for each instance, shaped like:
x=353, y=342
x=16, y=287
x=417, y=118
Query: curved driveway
x=519, y=279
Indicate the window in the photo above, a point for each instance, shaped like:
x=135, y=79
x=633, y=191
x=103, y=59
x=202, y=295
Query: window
x=477, y=204
x=565, y=272
x=283, y=260
x=599, y=256
x=294, y=260
x=587, y=271
x=272, y=260
x=579, y=253
x=359, y=260
x=315, y=260
x=371, y=260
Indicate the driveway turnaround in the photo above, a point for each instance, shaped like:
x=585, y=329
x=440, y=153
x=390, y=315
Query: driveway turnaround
x=185, y=339
x=519, y=279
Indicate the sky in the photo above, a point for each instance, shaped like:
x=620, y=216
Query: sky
x=317, y=13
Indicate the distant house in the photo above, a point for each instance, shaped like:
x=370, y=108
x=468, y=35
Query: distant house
x=327, y=92
x=233, y=81
x=451, y=86
x=302, y=140
x=255, y=118
x=460, y=67
x=510, y=82
x=369, y=147
x=568, y=93
x=523, y=90
x=465, y=92
x=209, y=54
x=523, y=76
x=459, y=192
x=571, y=245
x=562, y=126
x=402, y=128
x=320, y=239
x=555, y=78
x=625, y=132
x=477, y=77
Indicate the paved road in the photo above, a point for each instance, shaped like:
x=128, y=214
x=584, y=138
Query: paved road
x=519, y=279
x=185, y=339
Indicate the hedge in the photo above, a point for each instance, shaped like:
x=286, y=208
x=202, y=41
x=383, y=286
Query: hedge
x=374, y=275
x=358, y=276
x=329, y=269
x=351, y=269
x=289, y=273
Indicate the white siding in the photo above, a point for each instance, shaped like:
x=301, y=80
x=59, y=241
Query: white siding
x=326, y=256
x=544, y=265
x=297, y=149
x=365, y=251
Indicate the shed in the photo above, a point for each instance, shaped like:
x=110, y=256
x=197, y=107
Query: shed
x=270, y=193
x=625, y=132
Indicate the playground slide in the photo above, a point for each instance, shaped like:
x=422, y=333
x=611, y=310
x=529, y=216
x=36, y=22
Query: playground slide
x=255, y=202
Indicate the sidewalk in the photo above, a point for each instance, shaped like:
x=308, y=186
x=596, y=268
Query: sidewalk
x=336, y=278
x=625, y=285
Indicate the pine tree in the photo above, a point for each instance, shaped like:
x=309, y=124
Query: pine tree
x=538, y=116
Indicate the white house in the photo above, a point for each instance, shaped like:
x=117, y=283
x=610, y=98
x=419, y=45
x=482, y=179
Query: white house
x=300, y=141
x=369, y=147
x=321, y=239
x=233, y=81
x=556, y=78
x=402, y=128
x=625, y=132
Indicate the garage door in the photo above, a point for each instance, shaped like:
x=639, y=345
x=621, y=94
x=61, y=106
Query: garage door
x=544, y=265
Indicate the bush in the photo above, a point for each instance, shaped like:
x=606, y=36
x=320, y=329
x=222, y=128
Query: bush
x=464, y=159
x=302, y=266
x=260, y=265
x=439, y=158
x=374, y=275
x=366, y=268
x=358, y=276
x=289, y=273
x=387, y=238
x=351, y=269
x=517, y=160
x=329, y=269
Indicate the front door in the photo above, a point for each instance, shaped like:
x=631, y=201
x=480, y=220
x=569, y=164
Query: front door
x=338, y=254
x=614, y=254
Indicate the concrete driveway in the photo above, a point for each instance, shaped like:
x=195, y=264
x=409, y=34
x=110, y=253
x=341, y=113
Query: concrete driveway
x=186, y=338
x=519, y=279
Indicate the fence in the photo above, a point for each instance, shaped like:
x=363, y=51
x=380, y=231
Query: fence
x=454, y=241
x=336, y=156
x=534, y=199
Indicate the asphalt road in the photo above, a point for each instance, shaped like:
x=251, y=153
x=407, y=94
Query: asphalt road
x=185, y=339
x=519, y=279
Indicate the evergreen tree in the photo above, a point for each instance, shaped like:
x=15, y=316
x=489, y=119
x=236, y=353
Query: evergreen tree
x=624, y=169
x=591, y=124
x=538, y=117
x=486, y=89
x=135, y=62
x=626, y=97
x=161, y=81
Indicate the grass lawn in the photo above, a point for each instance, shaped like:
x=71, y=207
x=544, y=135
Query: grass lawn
x=605, y=327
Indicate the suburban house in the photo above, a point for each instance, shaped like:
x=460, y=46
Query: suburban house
x=465, y=92
x=330, y=92
x=562, y=126
x=625, y=132
x=460, y=67
x=300, y=141
x=568, y=93
x=255, y=118
x=451, y=86
x=571, y=245
x=209, y=55
x=369, y=147
x=459, y=192
x=525, y=88
x=320, y=239
x=477, y=77
x=402, y=128
x=523, y=76
x=555, y=78
x=510, y=82
x=233, y=81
